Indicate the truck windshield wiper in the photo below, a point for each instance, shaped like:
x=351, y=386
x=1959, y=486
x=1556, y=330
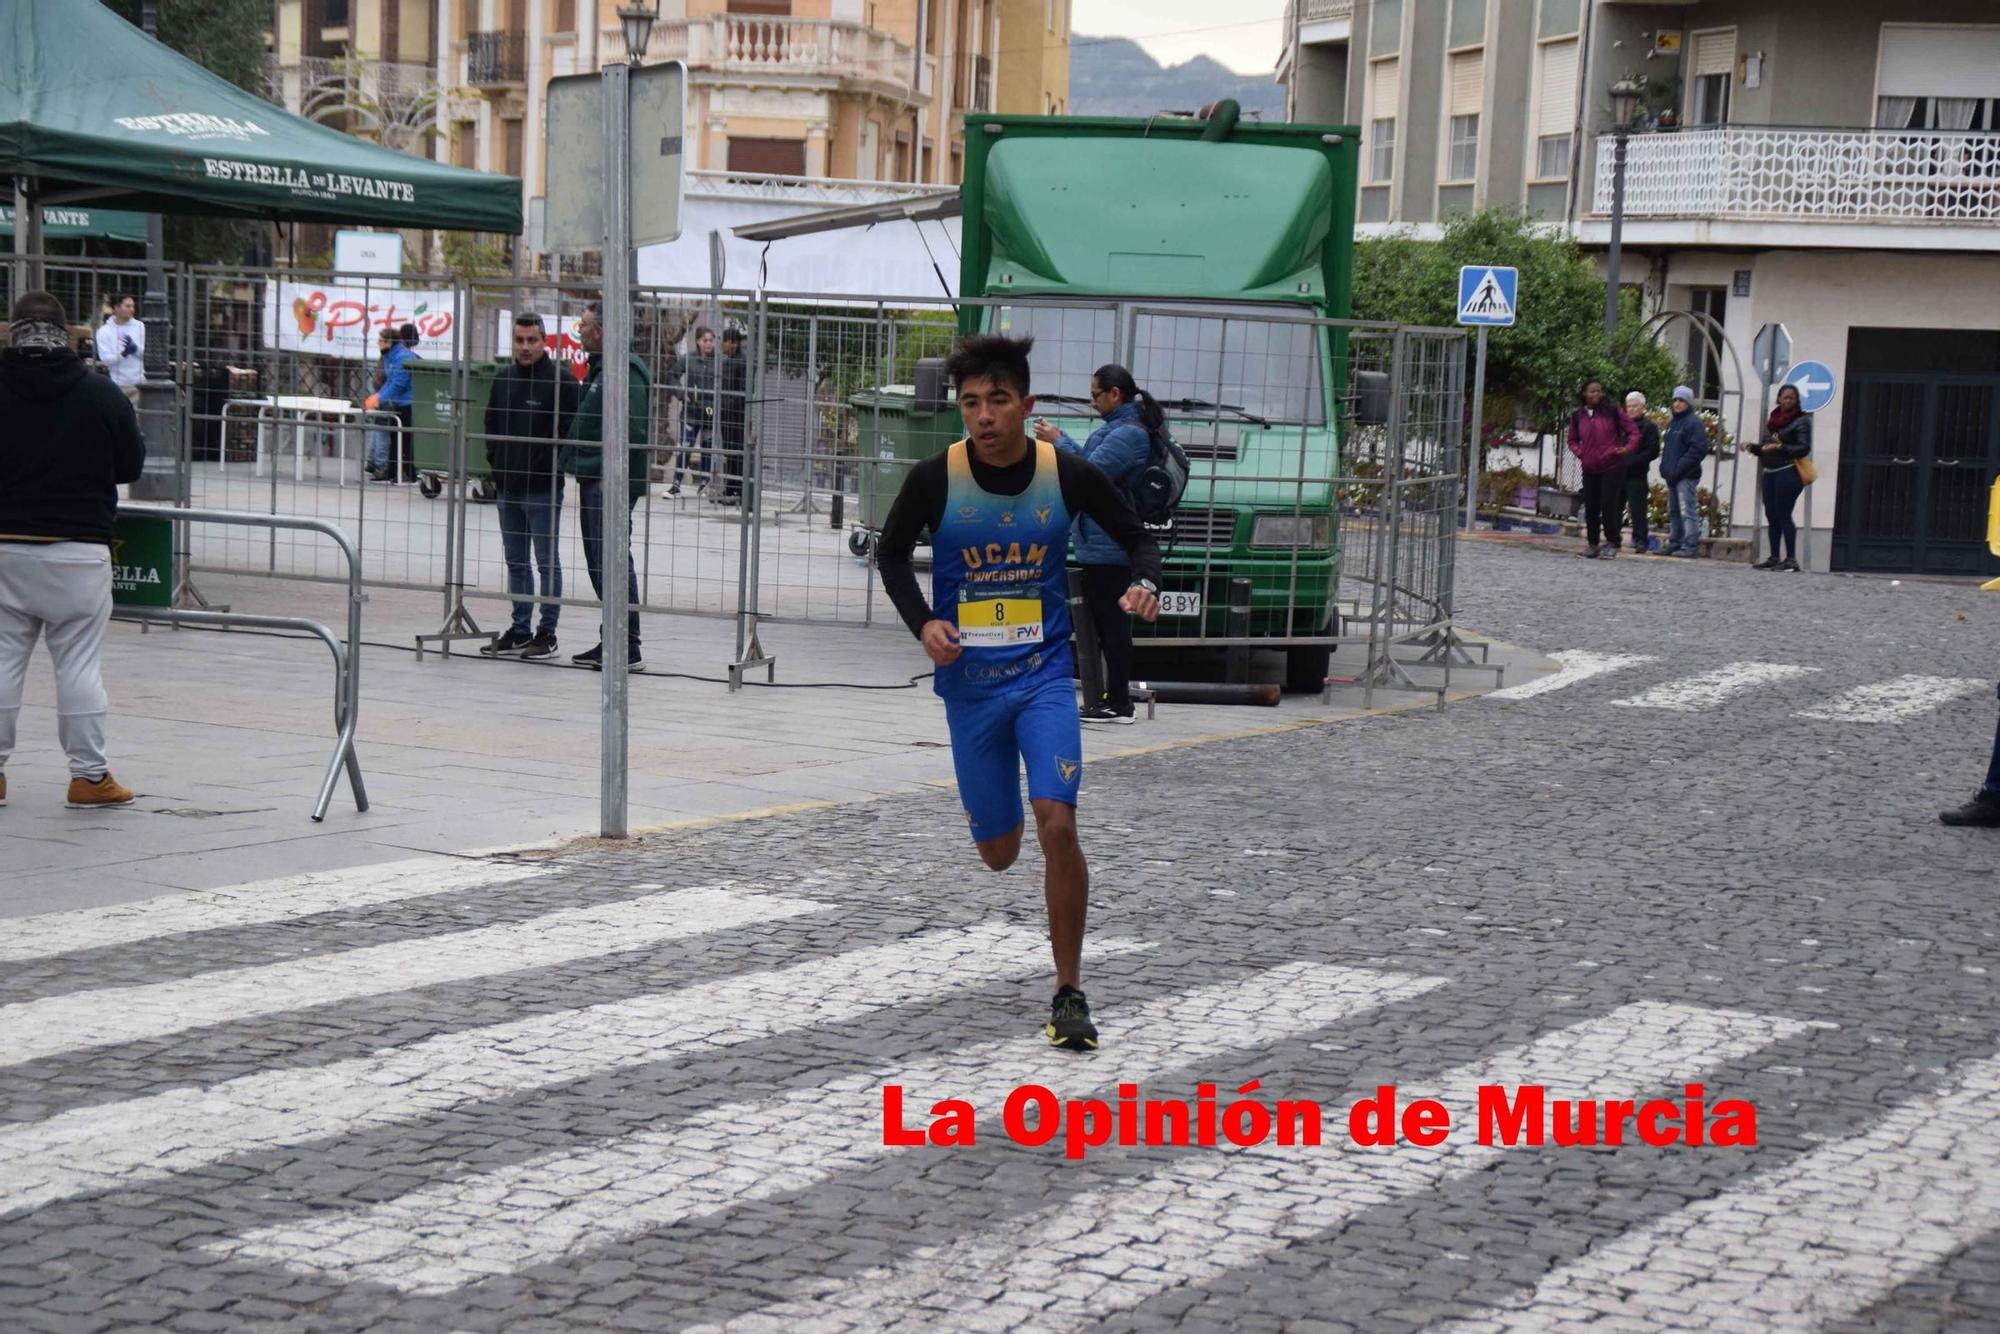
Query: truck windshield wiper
x=1203, y=405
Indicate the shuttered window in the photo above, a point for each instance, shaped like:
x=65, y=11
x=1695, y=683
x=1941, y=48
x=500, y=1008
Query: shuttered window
x=1465, y=89
x=1555, y=110
x=1939, y=62
x=1715, y=52
x=1468, y=82
x=1385, y=93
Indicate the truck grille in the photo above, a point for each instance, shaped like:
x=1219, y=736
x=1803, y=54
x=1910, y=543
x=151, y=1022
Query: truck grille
x=1203, y=528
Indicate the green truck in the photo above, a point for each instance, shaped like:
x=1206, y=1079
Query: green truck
x=1196, y=252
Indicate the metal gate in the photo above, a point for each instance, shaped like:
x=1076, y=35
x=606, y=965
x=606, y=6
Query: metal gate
x=1918, y=456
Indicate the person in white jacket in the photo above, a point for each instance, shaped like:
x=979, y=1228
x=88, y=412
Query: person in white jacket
x=121, y=345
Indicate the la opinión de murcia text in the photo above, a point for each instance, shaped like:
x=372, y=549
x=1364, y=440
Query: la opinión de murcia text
x=1505, y=1116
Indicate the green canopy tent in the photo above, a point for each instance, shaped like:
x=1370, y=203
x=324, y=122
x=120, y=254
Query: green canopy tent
x=93, y=110
x=68, y=222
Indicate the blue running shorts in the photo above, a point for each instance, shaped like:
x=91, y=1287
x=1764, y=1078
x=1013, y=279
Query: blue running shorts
x=993, y=735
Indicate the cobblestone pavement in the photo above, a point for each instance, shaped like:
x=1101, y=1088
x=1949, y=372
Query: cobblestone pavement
x=643, y=1089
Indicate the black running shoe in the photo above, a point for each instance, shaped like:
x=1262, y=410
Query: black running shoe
x=1069, y=1025
x=542, y=645
x=592, y=658
x=511, y=642
x=1982, y=812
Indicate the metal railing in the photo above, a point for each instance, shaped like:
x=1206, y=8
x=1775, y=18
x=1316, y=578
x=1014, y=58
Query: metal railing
x=806, y=189
x=494, y=59
x=346, y=653
x=1775, y=173
x=391, y=102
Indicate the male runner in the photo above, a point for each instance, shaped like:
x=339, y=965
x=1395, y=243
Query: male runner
x=998, y=506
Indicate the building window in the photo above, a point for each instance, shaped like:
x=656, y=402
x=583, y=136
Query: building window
x=1384, y=96
x=565, y=17
x=1938, y=77
x=768, y=157
x=468, y=17
x=465, y=144
x=1710, y=75
x=1462, y=159
x=1465, y=89
x=511, y=137
x=1555, y=110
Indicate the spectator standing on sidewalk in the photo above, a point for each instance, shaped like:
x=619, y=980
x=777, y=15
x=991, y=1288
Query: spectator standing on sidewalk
x=1787, y=439
x=395, y=396
x=531, y=404
x=1601, y=437
x=582, y=457
x=71, y=440
x=1638, y=469
x=1121, y=449
x=697, y=394
x=733, y=414
x=121, y=346
x=1681, y=456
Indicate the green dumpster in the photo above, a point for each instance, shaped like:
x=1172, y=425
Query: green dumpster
x=895, y=433
x=432, y=413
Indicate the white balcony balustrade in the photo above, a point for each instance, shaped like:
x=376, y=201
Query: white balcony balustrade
x=1752, y=173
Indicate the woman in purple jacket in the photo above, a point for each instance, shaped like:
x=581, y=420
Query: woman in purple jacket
x=1601, y=437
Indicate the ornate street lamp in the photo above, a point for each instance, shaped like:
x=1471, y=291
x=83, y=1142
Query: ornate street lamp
x=636, y=18
x=1624, y=103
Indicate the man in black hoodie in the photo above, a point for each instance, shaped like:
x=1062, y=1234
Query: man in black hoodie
x=71, y=439
x=532, y=402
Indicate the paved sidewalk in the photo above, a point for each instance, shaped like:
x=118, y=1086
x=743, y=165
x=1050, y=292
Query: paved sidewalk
x=226, y=737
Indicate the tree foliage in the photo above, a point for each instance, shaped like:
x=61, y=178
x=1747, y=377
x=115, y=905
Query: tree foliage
x=1558, y=339
x=226, y=38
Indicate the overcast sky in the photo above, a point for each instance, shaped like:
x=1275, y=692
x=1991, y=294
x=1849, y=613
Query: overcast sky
x=1245, y=35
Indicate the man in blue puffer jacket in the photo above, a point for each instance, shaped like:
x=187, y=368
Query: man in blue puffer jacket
x=1121, y=448
x=1681, y=455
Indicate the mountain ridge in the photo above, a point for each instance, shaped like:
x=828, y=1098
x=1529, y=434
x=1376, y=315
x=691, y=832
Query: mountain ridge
x=1114, y=76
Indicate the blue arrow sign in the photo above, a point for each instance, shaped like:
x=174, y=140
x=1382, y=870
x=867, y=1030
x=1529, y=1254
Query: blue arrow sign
x=1815, y=382
x=1486, y=295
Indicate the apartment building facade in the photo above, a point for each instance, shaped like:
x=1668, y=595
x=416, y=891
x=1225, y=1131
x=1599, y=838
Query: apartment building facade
x=1834, y=168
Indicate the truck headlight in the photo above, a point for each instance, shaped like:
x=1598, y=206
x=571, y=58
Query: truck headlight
x=1289, y=530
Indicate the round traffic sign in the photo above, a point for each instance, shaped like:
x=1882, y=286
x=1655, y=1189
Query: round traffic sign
x=1815, y=383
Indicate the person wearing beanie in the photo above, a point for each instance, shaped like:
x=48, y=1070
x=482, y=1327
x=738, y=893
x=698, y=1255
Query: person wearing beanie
x=72, y=439
x=1682, y=451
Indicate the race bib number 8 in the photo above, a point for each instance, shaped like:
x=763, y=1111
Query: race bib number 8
x=998, y=622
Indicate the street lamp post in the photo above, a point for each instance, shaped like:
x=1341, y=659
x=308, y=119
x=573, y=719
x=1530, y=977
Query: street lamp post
x=636, y=18
x=1624, y=101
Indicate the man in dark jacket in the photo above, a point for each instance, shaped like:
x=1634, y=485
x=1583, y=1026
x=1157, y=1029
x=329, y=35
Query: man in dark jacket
x=530, y=407
x=71, y=439
x=1638, y=484
x=732, y=414
x=1681, y=455
x=582, y=457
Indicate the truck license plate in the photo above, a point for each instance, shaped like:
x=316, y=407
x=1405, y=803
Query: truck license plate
x=1180, y=604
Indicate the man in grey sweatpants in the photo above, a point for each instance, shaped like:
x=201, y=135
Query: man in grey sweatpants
x=71, y=438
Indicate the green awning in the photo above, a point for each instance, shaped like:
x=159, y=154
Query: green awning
x=65, y=222
x=96, y=111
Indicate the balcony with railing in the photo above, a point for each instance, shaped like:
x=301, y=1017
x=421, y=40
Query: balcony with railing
x=1772, y=174
x=752, y=45
x=1308, y=12
x=972, y=86
x=496, y=60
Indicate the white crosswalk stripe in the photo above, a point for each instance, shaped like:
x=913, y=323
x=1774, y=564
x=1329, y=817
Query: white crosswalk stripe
x=85, y=1019
x=1896, y=701
x=147, y=1139
x=439, y=1238
x=1247, y=1205
x=1578, y=665
x=1883, y=1206
x=1706, y=691
x=259, y=902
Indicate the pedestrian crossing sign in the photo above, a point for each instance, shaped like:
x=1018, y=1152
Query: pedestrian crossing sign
x=1486, y=295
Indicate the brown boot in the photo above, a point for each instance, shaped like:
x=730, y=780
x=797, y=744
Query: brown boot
x=84, y=794
x=3, y=789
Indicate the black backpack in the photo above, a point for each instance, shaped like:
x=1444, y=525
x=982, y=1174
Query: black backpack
x=1157, y=490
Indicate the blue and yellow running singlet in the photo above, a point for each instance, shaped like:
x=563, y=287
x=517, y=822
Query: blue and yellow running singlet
x=997, y=573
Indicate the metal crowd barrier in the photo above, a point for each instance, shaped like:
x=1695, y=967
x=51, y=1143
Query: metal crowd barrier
x=346, y=656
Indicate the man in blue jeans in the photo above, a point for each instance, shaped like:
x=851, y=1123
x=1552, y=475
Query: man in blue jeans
x=531, y=405
x=399, y=349
x=1983, y=811
x=583, y=458
x=1684, y=447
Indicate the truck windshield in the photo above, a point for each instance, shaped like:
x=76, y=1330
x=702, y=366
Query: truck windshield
x=1260, y=367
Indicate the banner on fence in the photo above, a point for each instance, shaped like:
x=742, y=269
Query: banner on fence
x=562, y=342
x=340, y=321
x=142, y=561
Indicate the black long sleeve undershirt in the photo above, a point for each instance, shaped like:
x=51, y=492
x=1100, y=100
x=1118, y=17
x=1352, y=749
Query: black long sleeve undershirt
x=920, y=505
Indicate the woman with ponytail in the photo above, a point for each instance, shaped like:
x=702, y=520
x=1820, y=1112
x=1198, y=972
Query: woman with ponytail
x=1121, y=448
